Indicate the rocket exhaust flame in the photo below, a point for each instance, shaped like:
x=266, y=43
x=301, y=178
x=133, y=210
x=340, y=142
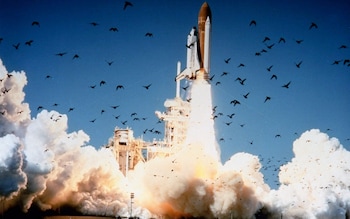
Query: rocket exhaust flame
x=43, y=165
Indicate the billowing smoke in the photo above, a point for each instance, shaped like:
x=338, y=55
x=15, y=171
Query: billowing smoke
x=42, y=164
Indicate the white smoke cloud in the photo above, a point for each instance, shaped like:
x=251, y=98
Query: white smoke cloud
x=316, y=183
x=43, y=164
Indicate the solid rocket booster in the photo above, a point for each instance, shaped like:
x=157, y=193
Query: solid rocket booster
x=198, y=48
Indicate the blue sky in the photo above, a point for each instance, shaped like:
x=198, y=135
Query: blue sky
x=318, y=95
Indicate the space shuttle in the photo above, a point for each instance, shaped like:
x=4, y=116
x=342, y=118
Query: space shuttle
x=198, y=49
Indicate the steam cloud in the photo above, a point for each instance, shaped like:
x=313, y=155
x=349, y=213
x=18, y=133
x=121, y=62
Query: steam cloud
x=42, y=164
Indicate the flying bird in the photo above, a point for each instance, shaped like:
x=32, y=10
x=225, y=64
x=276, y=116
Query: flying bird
x=286, y=85
x=114, y=29
x=298, y=64
x=273, y=77
x=29, y=42
x=147, y=86
x=266, y=39
x=75, y=56
x=227, y=60
x=36, y=23
x=110, y=63
x=148, y=34
x=235, y=102
x=127, y=4
x=343, y=47
x=61, y=54
x=94, y=24
x=282, y=40
x=267, y=98
x=299, y=41
x=252, y=22
x=313, y=25
x=102, y=82
x=246, y=95
x=119, y=87
x=240, y=65
x=269, y=68
x=16, y=46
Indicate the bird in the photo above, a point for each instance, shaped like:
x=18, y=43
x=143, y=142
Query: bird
x=127, y=4
x=273, y=77
x=148, y=34
x=102, y=83
x=48, y=77
x=299, y=41
x=286, y=85
x=119, y=87
x=147, y=86
x=282, y=40
x=240, y=65
x=313, y=25
x=115, y=107
x=92, y=86
x=61, y=54
x=246, y=95
x=277, y=136
x=231, y=115
x=270, y=46
x=185, y=88
x=224, y=73
x=269, y=68
x=114, y=29
x=75, y=56
x=94, y=24
x=235, y=102
x=36, y=23
x=343, y=47
x=336, y=62
x=252, y=22
x=267, y=98
x=16, y=46
x=227, y=60
x=102, y=111
x=266, y=39
x=70, y=109
x=29, y=42
x=40, y=108
x=110, y=63
x=92, y=121
x=298, y=64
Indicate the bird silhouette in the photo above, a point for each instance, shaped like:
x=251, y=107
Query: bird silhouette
x=267, y=98
x=148, y=34
x=119, y=87
x=313, y=25
x=235, y=102
x=110, y=63
x=127, y=4
x=246, y=95
x=92, y=86
x=298, y=64
x=286, y=85
x=224, y=73
x=75, y=56
x=227, y=60
x=269, y=68
x=252, y=22
x=266, y=39
x=61, y=54
x=240, y=65
x=70, y=109
x=270, y=46
x=115, y=107
x=299, y=41
x=113, y=29
x=336, y=62
x=16, y=46
x=273, y=77
x=29, y=42
x=36, y=23
x=94, y=24
x=147, y=86
x=102, y=83
x=231, y=115
x=282, y=40
x=342, y=47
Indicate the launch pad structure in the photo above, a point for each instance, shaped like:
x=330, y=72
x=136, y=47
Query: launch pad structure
x=129, y=150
